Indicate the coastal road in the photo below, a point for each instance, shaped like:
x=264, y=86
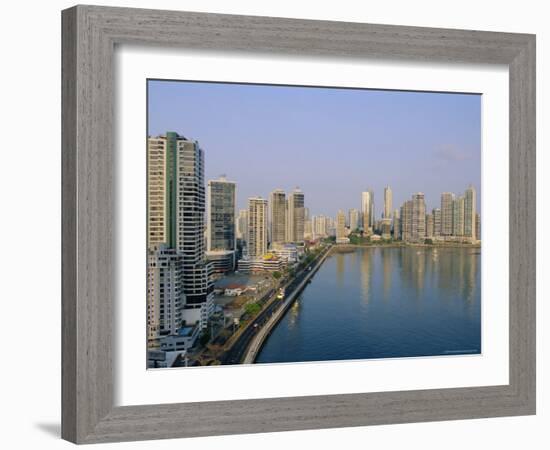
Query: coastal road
x=236, y=353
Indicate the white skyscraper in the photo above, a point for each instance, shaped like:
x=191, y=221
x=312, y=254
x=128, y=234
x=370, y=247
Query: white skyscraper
x=367, y=210
x=242, y=224
x=447, y=206
x=165, y=296
x=257, y=227
x=458, y=217
x=176, y=218
x=388, y=198
x=470, y=213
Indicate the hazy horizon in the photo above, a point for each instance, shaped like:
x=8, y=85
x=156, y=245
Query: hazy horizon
x=333, y=143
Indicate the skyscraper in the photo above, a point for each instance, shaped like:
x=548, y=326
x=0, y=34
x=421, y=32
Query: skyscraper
x=447, y=201
x=296, y=216
x=320, y=226
x=396, y=225
x=165, y=297
x=353, y=219
x=341, y=228
x=242, y=225
x=257, y=227
x=221, y=231
x=470, y=213
x=458, y=216
x=406, y=220
x=277, y=203
x=176, y=217
x=388, y=197
x=367, y=209
x=429, y=226
x=190, y=225
x=478, y=227
x=221, y=215
x=436, y=212
x=161, y=196
x=418, y=225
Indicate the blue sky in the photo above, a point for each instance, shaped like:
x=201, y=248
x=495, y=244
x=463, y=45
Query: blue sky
x=332, y=143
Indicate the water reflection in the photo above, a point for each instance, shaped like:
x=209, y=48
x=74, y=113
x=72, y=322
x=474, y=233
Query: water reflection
x=384, y=302
x=366, y=274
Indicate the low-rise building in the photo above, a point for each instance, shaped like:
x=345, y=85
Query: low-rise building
x=267, y=263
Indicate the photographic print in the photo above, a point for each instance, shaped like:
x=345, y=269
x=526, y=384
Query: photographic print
x=290, y=224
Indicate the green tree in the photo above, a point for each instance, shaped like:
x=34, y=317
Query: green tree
x=252, y=309
x=277, y=275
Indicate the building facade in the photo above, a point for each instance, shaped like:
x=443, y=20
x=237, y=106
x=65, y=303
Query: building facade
x=388, y=199
x=447, y=207
x=436, y=212
x=277, y=209
x=176, y=218
x=418, y=220
x=257, y=227
x=221, y=215
x=165, y=296
x=458, y=217
x=470, y=213
x=341, y=237
x=354, y=222
x=406, y=220
x=296, y=216
x=367, y=211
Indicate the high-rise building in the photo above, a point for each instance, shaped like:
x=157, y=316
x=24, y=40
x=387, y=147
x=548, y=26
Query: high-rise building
x=296, y=216
x=242, y=225
x=367, y=209
x=320, y=226
x=257, y=227
x=176, y=216
x=277, y=204
x=447, y=206
x=221, y=231
x=372, y=216
x=436, y=212
x=388, y=198
x=165, y=297
x=341, y=228
x=308, y=229
x=406, y=220
x=470, y=213
x=429, y=226
x=418, y=225
x=396, y=225
x=478, y=227
x=161, y=198
x=385, y=228
x=353, y=219
x=221, y=215
x=458, y=217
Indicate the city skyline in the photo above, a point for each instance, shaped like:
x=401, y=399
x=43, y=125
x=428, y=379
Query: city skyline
x=437, y=134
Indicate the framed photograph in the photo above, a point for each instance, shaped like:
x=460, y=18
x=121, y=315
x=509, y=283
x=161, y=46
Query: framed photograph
x=278, y=224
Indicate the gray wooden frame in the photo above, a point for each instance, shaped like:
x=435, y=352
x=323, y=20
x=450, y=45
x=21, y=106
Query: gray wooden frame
x=89, y=37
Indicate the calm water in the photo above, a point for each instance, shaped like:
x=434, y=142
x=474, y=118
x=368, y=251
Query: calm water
x=383, y=303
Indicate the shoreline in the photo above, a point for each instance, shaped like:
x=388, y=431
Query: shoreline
x=401, y=245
